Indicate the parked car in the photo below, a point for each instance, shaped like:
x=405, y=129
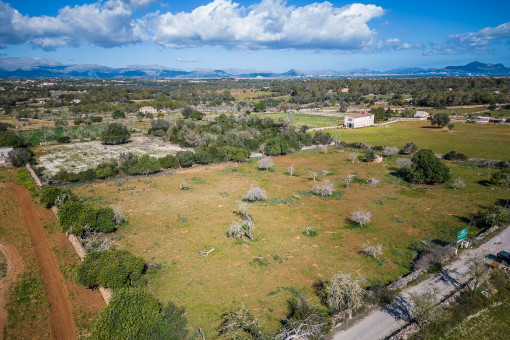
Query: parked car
x=504, y=256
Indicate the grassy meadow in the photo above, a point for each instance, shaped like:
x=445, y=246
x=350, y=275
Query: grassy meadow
x=474, y=140
x=301, y=119
x=169, y=226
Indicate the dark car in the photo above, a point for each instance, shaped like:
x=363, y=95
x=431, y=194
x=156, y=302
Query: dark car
x=504, y=256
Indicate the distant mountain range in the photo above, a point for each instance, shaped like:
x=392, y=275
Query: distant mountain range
x=34, y=68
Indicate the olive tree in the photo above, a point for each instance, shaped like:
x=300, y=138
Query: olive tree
x=255, y=194
x=423, y=307
x=361, y=217
x=390, y=151
x=265, y=163
x=371, y=250
x=323, y=189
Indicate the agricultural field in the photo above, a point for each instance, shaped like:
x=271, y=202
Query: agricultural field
x=170, y=226
x=251, y=95
x=474, y=140
x=300, y=119
x=37, y=136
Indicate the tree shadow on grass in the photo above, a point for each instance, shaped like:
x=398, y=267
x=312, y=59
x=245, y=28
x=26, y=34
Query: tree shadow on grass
x=319, y=288
x=484, y=182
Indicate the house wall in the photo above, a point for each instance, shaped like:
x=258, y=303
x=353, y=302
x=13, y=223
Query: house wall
x=360, y=122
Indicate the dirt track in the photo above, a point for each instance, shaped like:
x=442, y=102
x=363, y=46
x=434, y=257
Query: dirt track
x=61, y=316
x=14, y=266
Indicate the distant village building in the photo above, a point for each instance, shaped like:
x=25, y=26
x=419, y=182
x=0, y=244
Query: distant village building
x=148, y=109
x=4, y=154
x=76, y=101
x=359, y=120
x=423, y=115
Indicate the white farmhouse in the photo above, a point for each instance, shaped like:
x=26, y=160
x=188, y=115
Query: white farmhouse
x=148, y=109
x=358, y=120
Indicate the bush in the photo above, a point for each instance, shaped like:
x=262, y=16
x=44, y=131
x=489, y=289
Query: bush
x=236, y=154
x=454, y=156
x=115, y=133
x=111, y=269
x=389, y=151
x=69, y=213
x=107, y=169
x=265, y=163
x=64, y=139
x=136, y=314
x=118, y=114
x=440, y=119
x=11, y=139
x=322, y=138
x=19, y=157
x=409, y=149
x=275, y=147
x=74, y=215
x=501, y=177
x=96, y=119
x=145, y=165
x=49, y=195
x=196, y=115
x=369, y=155
x=185, y=158
x=202, y=156
x=222, y=118
x=428, y=169
x=490, y=216
x=168, y=161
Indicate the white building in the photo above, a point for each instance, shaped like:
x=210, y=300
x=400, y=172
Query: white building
x=148, y=109
x=4, y=154
x=358, y=120
x=422, y=115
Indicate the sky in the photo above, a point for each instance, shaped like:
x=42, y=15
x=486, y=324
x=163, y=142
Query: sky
x=263, y=35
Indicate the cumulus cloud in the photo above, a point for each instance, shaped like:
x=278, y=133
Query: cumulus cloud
x=268, y=24
x=478, y=42
x=105, y=24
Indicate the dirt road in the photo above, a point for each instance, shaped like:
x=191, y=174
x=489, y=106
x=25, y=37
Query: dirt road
x=61, y=316
x=14, y=266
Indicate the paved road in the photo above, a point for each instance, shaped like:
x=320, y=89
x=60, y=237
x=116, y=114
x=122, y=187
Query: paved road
x=61, y=315
x=384, y=321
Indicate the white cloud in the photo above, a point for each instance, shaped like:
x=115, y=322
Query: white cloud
x=104, y=24
x=478, y=42
x=268, y=24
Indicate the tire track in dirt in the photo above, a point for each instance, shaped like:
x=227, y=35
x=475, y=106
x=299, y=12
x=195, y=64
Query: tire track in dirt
x=14, y=266
x=61, y=316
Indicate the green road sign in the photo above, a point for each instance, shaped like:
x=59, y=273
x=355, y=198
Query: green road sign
x=462, y=234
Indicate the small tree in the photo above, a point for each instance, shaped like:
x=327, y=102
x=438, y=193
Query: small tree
x=390, y=151
x=373, y=182
x=458, y=184
x=290, y=170
x=117, y=114
x=348, y=179
x=115, y=133
x=369, y=155
x=353, y=156
x=19, y=157
x=427, y=168
x=404, y=163
x=450, y=126
x=361, y=217
x=370, y=250
x=255, y=194
x=323, y=189
x=423, y=307
x=440, y=119
x=345, y=292
x=409, y=149
x=313, y=175
x=241, y=324
x=265, y=163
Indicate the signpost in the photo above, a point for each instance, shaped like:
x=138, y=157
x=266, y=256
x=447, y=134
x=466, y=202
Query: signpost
x=461, y=236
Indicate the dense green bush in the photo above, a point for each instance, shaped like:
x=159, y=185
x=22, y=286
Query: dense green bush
x=11, y=139
x=186, y=158
x=203, y=156
x=64, y=139
x=168, y=161
x=322, y=138
x=501, y=177
x=145, y=165
x=196, y=115
x=49, y=195
x=369, y=155
x=115, y=133
x=112, y=269
x=135, y=314
x=19, y=157
x=427, y=168
x=409, y=149
x=73, y=216
x=276, y=146
x=106, y=169
x=236, y=154
x=69, y=213
x=454, y=156
x=118, y=114
x=440, y=119
x=96, y=119
x=490, y=216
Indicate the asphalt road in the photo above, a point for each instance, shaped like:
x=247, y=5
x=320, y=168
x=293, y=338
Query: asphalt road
x=382, y=322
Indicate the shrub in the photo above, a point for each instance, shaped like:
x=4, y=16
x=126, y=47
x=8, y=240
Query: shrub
x=454, y=156
x=196, y=115
x=490, y=216
x=112, y=269
x=265, y=163
x=323, y=189
x=390, y=151
x=222, y=118
x=64, y=139
x=115, y=133
x=429, y=169
x=404, y=163
x=51, y=195
x=145, y=165
x=369, y=155
x=69, y=213
x=185, y=158
x=118, y=114
x=275, y=147
x=168, y=161
x=409, y=149
x=19, y=157
x=107, y=169
x=202, y=156
x=96, y=119
x=322, y=138
x=501, y=177
x=74, y=215
x=136, y=314
x=361, y=217
x=458, y=184
x=255, y=194
x=11, y=139
x=440, y=119
x=236, y=154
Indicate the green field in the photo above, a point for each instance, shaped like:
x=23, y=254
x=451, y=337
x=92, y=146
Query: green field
x=251, y=95
x=304, y=119
x=474, y=140
x=169, y=226
x=36, y=136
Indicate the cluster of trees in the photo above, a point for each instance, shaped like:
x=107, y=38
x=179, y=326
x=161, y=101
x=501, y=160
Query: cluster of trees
x=21, y=154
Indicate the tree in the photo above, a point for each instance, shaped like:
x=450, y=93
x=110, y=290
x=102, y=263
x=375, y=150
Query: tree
x=373, y=182
x=241, y=324
x=371, y=250
x=11, y=139
x=19, y=157
x=501, y=177
x=369, y=155
x=112, y=269
x=450, y=126
x=117, y=114
x=353, y=156
x=136, y=314
x=361, y=217
x=440, y=119
x=259, y=107
x=255, y=194
x=427, y=168
x=115, y=133
x=345, y=292
x=196, y=115
x=186, y=112
x=145, y=165
x=324, y=189
x=423, y=307
x=185, y=158
x=390, y=151
x=49, y=195
x=409, y=149
x=348, y=179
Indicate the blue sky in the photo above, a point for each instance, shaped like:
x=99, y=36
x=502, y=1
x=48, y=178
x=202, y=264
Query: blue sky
x=271, y=35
